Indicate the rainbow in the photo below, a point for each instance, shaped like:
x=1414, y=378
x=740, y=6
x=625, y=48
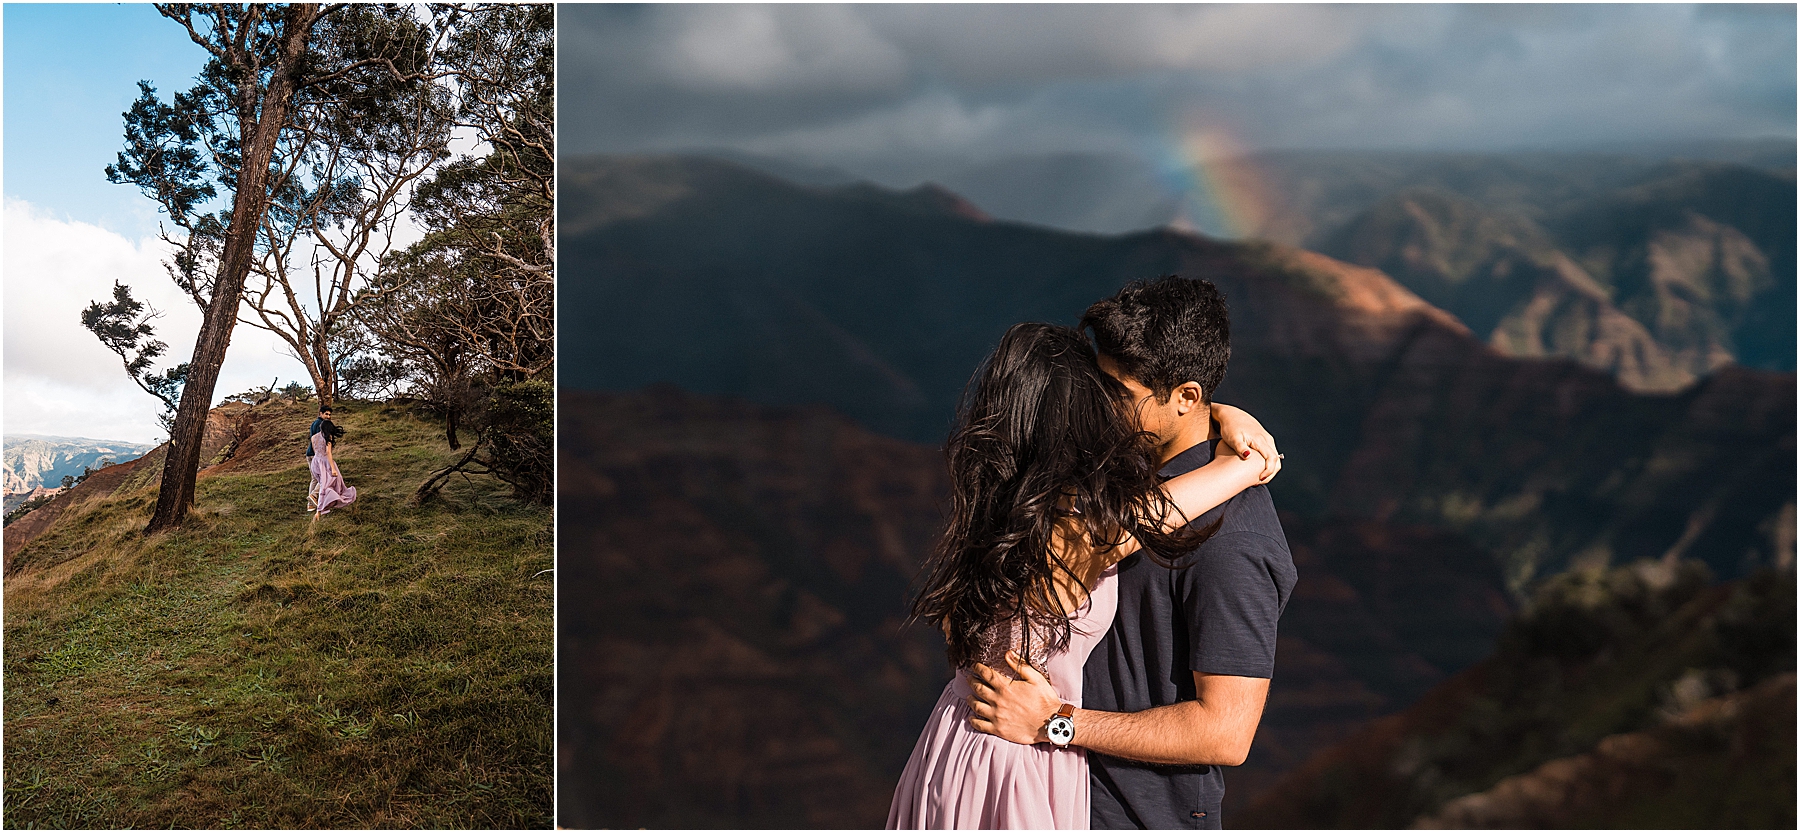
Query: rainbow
x=1221, y=192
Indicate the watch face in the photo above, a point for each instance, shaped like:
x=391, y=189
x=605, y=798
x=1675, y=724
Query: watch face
x=1061, y=730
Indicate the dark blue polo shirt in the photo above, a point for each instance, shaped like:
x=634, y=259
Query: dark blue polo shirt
x=1215, y=614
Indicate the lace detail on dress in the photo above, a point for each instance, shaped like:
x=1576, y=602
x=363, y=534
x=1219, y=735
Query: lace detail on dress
x=1008, y=635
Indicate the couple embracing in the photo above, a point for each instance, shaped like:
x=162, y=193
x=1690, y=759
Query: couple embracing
x=1109, y=581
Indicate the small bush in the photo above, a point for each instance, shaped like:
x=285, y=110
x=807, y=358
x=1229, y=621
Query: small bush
x=25, y=508
x=1577, y=614
x=521, y=422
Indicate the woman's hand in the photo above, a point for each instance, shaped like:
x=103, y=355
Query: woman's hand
x=1199, y=491
x=1239, y=430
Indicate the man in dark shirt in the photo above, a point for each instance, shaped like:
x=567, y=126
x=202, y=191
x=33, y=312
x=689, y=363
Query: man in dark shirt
x=322, y=420
x=1176, y=689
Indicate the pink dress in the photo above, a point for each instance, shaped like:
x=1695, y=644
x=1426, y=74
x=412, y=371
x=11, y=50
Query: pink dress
x=959, y=778
x=332, y=493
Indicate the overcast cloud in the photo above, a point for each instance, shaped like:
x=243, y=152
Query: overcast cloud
x=839, y=84
x=59, y=379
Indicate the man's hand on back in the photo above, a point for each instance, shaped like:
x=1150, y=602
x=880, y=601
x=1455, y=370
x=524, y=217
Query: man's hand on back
x=1215, y=728
x=1015, y=710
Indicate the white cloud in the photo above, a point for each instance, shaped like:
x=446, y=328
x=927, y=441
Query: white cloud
x=818, y=78
x=934, y=119
x=37, y=405
x=730, y=49
x=1005, y=44
x=58, y=378
x=760, y=47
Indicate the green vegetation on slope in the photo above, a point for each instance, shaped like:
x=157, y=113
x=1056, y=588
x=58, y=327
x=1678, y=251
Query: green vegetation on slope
x=386, y=666
x=1599, y=654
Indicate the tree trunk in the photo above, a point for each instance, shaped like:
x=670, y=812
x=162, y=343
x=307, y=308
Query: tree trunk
x=324, y=373
x=325, y=388
x=450, y=420
x=261, y=123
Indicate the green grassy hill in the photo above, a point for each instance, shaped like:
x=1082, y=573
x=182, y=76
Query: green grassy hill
x=386, y=666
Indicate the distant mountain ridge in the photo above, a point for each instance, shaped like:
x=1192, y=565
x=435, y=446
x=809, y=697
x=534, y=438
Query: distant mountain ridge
x=32, y=461
x=1653, y=262
x=1657, y=284
x=724, y=280
x=1310, y=192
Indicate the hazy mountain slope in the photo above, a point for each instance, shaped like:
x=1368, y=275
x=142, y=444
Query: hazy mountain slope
x=1312, y=194
x=733, y=586
x=1698, y=253
x=722, y=280
x=1503, y=275
x=1614, y=700
x=33, y=461
x=1318, y=192
x=1074, y=191
x=1304, y=195
x=27, y=500
x=1702, y=255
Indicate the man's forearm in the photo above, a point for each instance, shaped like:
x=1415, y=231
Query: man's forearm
x=1214, y=730
x=1175, y=734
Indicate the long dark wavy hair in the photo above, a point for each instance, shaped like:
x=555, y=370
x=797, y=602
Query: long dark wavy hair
x=1041, y=436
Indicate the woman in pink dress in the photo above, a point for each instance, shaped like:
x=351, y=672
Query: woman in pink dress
x=1052, y=485
x=332, y=492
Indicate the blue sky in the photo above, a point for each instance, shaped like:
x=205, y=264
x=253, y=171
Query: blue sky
x=71, y=70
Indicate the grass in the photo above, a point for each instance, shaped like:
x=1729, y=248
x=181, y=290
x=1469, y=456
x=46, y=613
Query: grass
x=386, y=666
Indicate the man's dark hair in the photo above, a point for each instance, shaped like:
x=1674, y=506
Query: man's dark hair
x=324, y=409
x=1164, y=333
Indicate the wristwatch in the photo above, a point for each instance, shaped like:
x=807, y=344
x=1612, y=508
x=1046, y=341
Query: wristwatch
x=1061, y=727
